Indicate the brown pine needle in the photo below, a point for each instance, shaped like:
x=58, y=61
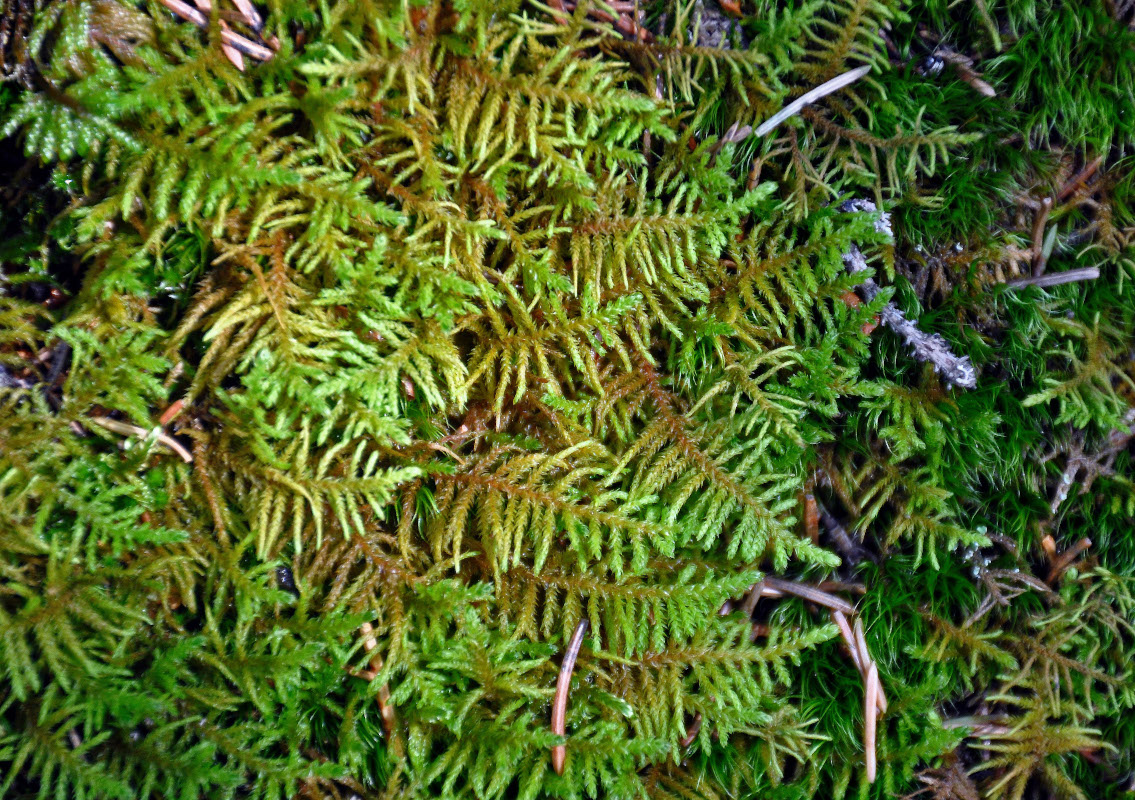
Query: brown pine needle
x=870, y=702
x=1057, y=278
x=228, y=37
x=848, y=638
x=1079, y=180
x=126, y=429
x=251, y=16
x=861, y=644
x=249, y=48
x=187, y=12
x=170, y=414
x=231, y=53
x=821, y=91
x=559, y=702
x=692, y=731
x=1061, y=564
x=1039, y=222
x=385, y=710
x=810, y=593
x=857, y=647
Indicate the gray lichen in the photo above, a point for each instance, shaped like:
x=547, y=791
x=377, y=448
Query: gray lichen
x=957, y=370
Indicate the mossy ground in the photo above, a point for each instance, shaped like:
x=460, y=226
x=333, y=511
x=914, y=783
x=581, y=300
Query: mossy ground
x=342, y=380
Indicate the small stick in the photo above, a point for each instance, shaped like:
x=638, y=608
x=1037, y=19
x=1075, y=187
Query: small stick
x=823, y=90
x=385, y=710
x=736, y=133
x=858, y=647
x=1066, y=558
x=692, y=731
x=750, y=603
x=861, y=643
x=559, y=702
x=848, y=638
x=963, y=65
x=1038, y=236
x=127, y=429
x=870, y=701
x=231, y=53
x=171, y=413
x=811, y=518
x=235, y=40
x=1057, y=278
x=248, y=11
x=187, y=12
x=810, y=593
x=249, y=48
x=1079, y=179
x=841, y=586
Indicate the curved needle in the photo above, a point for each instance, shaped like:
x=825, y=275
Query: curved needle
x=559, y=703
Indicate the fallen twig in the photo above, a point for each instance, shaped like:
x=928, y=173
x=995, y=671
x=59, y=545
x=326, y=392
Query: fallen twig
x=808, y=592
x=1057, y=278
x=385, y=710
x=1065, y=559
x=982, y=724
x=1039, y=258
x=848, y=638
x=963, y=65
x=228, y=37
x=692, y=731
x=870, y=700
x=559, y=702
x=823, y=90
x=932, y=348
x=251, y=16
x=170, y=414
x=1079, y=179
x=126, y=429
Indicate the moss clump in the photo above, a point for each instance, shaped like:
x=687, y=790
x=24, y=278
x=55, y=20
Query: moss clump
x=355, y=354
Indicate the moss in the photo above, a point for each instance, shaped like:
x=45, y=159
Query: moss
x=343, y=381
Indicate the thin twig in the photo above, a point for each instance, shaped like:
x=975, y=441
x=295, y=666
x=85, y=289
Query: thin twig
x=231, y=53
x=823, y=90
x=559, y=702
x=249, y=48
x=1066, y=558
x=692, y=731
x=228, y=37
x=1078, y=180
x=1039, y=221
x=848, y=638
x=171, y=413
x=868, y=662
x=841, y=586
x=861, y=643
x=1057, y=278
x=187, y=12
x=963, y=65
x=870, y=701
x=810, y=593
x=385, y=709
x=126, y=429
x=251, y=16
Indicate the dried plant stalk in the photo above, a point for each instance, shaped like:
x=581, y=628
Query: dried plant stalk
x=870, y=714
x=559, y=702
x=810, y=593
x=385, y=710
x=161, y=436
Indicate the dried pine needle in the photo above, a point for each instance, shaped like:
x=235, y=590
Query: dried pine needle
x=559, y=702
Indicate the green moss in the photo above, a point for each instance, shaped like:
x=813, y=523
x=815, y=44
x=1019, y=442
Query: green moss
x=461, y=324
